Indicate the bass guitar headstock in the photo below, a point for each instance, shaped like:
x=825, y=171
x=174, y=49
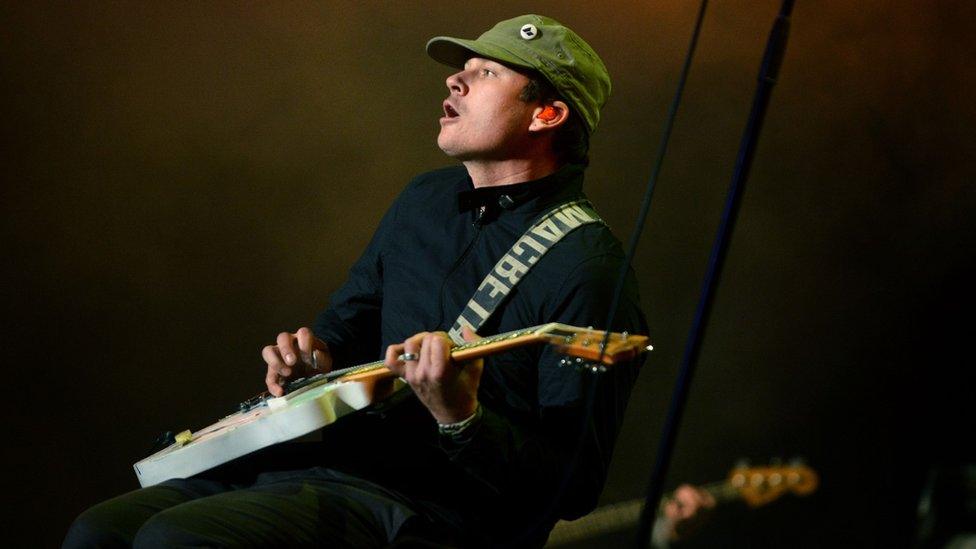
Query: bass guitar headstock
x=761, y=485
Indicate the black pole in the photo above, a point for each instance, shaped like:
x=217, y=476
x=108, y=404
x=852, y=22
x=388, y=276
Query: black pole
x=662, y=149
x=768, y=71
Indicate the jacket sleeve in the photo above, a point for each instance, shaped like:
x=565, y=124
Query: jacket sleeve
x=525, y=458
x=351, y=323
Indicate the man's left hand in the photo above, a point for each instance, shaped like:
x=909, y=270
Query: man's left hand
x=686, y=511
x=448, y=389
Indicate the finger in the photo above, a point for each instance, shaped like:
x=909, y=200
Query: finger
x=274, y=383
x=672, y=510
x=392, y=361
x=286, y=347
x=414, y=343
x=469, y=335
x=413, y=346
x=273, y=359
x=687, y=499
x=687, y=493
x=439, y=365
x=274, y=379
x=395, y=353
x=322, y=360
x=422, y=371
x=306, y=345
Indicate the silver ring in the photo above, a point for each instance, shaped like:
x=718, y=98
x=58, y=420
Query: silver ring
x=408, y=357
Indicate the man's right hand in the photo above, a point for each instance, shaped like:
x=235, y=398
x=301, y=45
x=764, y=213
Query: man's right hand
x=296, y=355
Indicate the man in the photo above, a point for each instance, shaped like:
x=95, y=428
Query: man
x=476, y=453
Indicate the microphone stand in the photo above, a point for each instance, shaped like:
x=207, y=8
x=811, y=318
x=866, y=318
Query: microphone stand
x=768, y=71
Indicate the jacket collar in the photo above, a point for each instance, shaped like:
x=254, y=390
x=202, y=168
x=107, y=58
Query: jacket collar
x=525, y=198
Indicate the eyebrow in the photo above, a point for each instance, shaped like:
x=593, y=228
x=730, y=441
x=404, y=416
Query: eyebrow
x=494, y=65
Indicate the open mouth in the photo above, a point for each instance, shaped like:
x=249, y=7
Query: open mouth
x=449, y=111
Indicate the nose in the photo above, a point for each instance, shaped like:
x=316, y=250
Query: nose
x=456, y=84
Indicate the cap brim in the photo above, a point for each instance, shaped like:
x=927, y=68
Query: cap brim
x=454, y=52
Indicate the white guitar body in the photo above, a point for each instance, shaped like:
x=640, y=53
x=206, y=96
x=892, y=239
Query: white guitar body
x=283, y=419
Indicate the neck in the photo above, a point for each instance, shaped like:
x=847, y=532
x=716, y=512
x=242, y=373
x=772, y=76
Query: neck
x=492, y=173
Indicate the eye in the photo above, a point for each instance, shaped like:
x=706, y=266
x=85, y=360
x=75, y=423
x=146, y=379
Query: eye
x=487, y=72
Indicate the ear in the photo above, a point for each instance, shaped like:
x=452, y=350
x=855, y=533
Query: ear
x=549, y=116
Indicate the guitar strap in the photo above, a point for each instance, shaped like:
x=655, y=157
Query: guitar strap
x=525, y=253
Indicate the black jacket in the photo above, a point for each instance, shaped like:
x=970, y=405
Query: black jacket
x=432, y=249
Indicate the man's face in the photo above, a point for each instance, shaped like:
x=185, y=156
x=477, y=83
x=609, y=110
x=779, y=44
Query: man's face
x=484, y=119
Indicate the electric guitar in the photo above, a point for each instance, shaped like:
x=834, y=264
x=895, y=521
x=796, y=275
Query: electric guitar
x=757, y=486
x=313, y=403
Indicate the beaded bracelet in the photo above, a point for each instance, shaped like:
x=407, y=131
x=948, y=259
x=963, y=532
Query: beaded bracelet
x=455, y=429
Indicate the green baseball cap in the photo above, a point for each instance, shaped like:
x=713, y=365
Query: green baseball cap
x=542, y=44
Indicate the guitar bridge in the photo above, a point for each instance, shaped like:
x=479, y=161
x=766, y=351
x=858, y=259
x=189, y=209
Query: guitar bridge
x=254, y=402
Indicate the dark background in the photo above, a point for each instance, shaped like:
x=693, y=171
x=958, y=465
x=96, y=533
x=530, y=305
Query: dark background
x=182, y=182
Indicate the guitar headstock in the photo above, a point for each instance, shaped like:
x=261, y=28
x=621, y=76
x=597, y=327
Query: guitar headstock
x=761, y=485
x=583, y=346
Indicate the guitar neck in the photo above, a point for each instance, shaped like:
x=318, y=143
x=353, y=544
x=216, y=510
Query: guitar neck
x=461, y=353
x=586, y=345
x=500, y=342
x=722, y=491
